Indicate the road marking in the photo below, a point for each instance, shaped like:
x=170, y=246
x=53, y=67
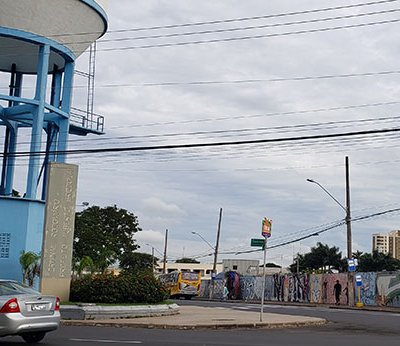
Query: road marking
x=241, y=307
x=107, y=341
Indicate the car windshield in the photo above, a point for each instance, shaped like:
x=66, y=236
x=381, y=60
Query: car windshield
x=11, y=288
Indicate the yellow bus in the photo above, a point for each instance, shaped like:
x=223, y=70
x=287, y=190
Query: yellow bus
x=181, y=284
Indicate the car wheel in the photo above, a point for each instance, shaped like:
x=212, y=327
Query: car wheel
x=33, y=338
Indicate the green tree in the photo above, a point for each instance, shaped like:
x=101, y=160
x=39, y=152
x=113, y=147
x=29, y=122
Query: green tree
x=137, y=262
x=377, y=261
x=30, y=264
x=84, y=264
x=321, y=258
x=271, y=265
x=186, y=260
x=104, y=234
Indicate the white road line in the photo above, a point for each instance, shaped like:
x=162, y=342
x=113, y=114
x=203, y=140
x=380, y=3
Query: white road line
x=107, y=341
x=241, y=307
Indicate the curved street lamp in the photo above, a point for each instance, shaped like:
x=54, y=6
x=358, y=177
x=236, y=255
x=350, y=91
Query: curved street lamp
x=347, y=219
x=201, y=237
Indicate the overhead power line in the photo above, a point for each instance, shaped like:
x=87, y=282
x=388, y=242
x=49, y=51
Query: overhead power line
x=210, y=144
x=251, y=37
x=268, y=16
x=237, y=81
x=318, y=232
x=255, y=80
x=244, y=28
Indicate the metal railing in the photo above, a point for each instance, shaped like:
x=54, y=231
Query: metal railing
x=81, y=118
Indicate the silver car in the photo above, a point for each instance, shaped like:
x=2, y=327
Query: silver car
x=25, y=312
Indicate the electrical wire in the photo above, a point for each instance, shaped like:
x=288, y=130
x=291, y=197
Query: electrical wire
x=250, y=37
x=210, y=144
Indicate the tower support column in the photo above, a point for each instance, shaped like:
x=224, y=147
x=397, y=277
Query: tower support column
x=65, y=107
x=38, y=119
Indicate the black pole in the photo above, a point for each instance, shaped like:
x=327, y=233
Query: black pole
x=348, y=214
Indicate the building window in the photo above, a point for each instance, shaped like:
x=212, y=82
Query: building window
x=5, y=241
x=234, y=267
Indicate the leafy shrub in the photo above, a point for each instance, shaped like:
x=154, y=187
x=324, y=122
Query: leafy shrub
x=125, y=288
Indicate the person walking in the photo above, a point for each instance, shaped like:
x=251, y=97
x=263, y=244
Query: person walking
x=337, y=291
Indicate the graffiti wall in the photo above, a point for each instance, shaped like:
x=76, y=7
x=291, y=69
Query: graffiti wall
x=204, y=289
x=388, y=289
x=219, y=288
x=376, y=289
x=296, y=288
x=325, y=288
x=251, y=287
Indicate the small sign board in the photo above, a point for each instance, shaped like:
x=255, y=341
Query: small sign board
x=352, y=264
x=358, y=280
x=266, y=227
x=257, y=242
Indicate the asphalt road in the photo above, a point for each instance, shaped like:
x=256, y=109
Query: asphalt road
x=347, y=327
x=343, y=319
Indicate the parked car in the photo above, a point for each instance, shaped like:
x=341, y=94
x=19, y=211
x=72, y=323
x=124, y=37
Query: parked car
x=27, y=313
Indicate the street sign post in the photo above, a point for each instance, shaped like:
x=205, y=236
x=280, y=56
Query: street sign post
x=359, y=304
x=257, y=242
x=266, y=233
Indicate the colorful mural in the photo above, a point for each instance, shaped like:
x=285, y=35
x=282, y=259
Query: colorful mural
x=316, y=288
x=251, y=287
x=297, y=288
x=204, y=289
x=376, y=289
x=279, y=287
x=368, y=289
x=388, y=289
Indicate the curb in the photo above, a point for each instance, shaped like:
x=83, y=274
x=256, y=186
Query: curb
x=244, y=325
x=312, y=305
x=94, y=312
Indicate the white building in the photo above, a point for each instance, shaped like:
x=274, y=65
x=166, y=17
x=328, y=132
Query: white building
x=204, y=269
x=387, y=243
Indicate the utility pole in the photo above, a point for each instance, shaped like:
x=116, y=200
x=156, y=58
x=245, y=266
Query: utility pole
x=214, y=271
x=350, y=276
x=348, y=214
x=165, y=252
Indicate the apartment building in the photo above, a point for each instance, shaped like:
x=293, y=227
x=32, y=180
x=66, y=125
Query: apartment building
x=387, y=243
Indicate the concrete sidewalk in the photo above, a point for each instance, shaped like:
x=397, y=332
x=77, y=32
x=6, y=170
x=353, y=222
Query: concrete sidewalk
x=196, y=317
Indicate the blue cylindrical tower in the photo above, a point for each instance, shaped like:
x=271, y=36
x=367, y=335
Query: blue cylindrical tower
x=42, y=38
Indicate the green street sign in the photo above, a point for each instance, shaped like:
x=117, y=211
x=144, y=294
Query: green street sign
x=257, y=242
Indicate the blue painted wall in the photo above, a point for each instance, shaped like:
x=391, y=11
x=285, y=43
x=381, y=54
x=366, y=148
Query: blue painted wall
x=24, y=220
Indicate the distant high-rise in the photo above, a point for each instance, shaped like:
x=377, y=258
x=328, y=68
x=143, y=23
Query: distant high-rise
x=387, y=243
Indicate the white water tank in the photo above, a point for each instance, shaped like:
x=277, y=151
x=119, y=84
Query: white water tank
x=69, y=26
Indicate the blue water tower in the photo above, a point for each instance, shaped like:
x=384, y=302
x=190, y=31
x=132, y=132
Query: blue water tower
x=40, y=41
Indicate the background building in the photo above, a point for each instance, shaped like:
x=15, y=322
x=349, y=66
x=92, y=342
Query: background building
x=204, y=269
x=387, y=243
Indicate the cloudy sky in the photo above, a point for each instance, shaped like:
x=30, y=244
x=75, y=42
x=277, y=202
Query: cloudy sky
x=186, y=71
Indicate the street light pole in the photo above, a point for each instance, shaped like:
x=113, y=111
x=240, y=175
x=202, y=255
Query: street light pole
x=215, y=249
x=348, y=224
x=152, y=256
